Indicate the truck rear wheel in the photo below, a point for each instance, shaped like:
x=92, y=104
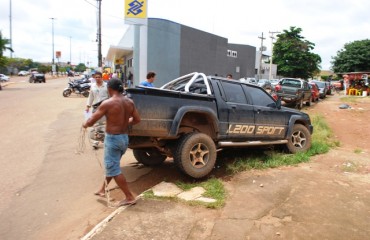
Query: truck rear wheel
x=299, y=140
x=195, y=154
x=149, y=156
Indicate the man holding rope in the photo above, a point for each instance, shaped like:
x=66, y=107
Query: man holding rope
x=119, y=111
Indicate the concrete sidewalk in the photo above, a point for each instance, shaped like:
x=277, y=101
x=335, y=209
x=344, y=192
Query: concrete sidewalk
x=312, y=201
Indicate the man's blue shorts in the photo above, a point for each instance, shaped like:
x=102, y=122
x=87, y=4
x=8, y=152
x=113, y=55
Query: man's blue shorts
x=114, y=147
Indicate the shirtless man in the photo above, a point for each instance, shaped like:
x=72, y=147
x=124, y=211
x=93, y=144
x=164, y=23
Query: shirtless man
x=120, y=111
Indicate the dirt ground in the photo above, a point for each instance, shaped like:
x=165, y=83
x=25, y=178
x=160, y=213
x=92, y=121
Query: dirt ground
x=326, y=198
x=350, y=126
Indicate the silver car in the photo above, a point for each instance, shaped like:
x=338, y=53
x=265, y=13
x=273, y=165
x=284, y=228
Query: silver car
x=264, y=83
x=4, y=78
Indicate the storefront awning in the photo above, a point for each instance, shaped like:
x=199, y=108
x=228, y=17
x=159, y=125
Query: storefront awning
x=116, y=52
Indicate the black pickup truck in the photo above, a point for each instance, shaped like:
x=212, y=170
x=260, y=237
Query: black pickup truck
x=190, y=118
x=37, y=77
x=294, y=91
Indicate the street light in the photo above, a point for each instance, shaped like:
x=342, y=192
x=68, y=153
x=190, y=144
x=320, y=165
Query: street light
x=52, y=31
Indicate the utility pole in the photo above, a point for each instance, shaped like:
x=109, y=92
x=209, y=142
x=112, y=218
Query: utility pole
x=70, y=50
x=272, y=45
x=261, y=50
x=52, y=37
x=10, y=22
x=100, y=64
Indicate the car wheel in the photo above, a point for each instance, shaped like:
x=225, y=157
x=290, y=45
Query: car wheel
x=195, y=154
x=149, y=156
x=67, y=93
x=299, y=140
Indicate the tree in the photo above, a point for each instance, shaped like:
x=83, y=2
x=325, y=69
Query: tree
x=80, y=67
x=3, y=47
x=354, y=57
x=293, y=56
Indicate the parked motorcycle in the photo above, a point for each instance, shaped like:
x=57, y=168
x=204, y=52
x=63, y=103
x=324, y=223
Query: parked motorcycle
x=80, y=86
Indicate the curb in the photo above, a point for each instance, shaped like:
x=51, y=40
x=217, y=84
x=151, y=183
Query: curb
x=100, y=226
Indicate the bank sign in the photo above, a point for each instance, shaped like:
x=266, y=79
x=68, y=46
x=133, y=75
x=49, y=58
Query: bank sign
x=136, y=8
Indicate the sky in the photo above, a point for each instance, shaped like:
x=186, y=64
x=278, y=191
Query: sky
x=328, y=24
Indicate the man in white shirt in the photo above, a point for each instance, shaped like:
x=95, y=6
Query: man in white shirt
x=98, y=93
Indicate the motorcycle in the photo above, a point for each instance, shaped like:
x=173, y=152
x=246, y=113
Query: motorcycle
x=80, y=86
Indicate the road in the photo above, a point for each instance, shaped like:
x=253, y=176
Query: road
x=47, y=188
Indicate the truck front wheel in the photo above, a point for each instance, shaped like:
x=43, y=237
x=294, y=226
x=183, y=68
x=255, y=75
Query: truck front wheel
x=149, y=156
x=299, y=140
x=195, y=154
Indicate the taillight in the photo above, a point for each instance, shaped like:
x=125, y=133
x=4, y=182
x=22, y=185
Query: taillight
x=277, y=88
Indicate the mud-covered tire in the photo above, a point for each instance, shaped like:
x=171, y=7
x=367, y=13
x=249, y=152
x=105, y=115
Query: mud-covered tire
x=149, y=156
x=195, y=154
x=299, y=140
x=67, y=93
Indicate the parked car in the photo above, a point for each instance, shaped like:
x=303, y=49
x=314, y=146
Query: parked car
x=329, y=86
x=315, y=91
x=23, y=73
x=274, y=82
x=37, y=77
x=4, y=78
x=338, y=85
x=294, y=91
x=195, y=116
x=322, y=87
x=264, y=83
x=249, y=80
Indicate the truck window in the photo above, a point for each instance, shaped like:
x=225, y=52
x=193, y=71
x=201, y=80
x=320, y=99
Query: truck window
x=259, y=97
x=234, y=92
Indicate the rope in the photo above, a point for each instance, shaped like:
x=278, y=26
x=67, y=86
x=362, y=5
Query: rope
x=81, y=146
x=81, y=141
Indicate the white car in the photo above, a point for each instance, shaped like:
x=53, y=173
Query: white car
x=23, y=73
x=4, y=78
x=248, y=80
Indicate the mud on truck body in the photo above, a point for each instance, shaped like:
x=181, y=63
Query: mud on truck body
x=190, y=118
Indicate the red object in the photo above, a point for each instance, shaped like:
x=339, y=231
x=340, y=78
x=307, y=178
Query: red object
x=274, y=96
x=277, y=88
x=315, y=92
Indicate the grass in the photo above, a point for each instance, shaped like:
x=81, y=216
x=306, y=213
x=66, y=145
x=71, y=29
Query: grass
x=322, y=141
x=357, y=151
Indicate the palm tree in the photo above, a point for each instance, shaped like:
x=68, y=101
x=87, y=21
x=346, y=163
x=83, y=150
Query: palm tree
x=3, y=45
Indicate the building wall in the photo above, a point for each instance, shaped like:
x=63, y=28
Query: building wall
x=245, y=60
x=175, y=50
x=164, y=50
x=202, y=52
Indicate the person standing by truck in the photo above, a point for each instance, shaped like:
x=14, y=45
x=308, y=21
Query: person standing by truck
x=150, y=77
x=98, y=93
x=120, y=112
